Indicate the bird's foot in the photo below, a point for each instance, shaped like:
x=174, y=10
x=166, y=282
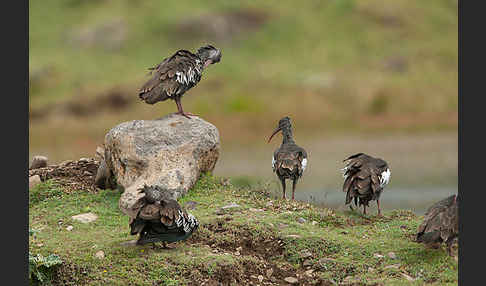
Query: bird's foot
x=186, y=114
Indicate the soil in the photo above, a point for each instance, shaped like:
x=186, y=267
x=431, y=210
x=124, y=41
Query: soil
x=72, y=176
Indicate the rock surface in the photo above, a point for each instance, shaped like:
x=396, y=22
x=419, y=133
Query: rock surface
x=170, y=152
x=34, y=181
x=38, y=162
x=85, y=218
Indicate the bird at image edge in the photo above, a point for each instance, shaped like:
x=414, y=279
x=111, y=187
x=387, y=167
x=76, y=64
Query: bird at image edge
x=289, y=160
x=177, y=74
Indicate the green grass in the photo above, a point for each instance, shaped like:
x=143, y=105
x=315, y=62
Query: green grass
x=332, y=51
x=266, y=230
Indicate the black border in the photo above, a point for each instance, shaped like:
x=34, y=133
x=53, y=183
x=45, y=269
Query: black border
x=15, y=119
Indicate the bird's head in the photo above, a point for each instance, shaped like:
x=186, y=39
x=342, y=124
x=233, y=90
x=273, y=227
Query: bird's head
x=283, y=123
x=209, y=55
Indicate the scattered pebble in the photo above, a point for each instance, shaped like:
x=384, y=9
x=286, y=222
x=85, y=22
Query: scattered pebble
x=84, y=160
x=305, y=254
x=408, y=277
x=396, y=266
x=293, y=236
x=232, y=205
x=100, y=254
x=34, y=181
x=269, y=272
x=301, y=220
x=237, y=253
x=269, y=204
x=291, y=280
x=85, y=218
x=376, y=255
x=260, y=278
x=392, y=255
x=129, y=243
x=69, y=228
x=371, y=269
x=307, y=262
x=239, y=248
x=38, y=162
x=309, y=272
x=314, y=222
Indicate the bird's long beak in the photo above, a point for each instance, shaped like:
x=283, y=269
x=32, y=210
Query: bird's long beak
x=274, y=132
x=207, y=63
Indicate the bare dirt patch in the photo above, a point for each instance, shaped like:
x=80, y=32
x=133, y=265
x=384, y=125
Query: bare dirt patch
x=71, y=175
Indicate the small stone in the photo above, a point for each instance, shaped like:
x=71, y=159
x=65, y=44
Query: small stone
x=129, y=243
x=64, y=163
x=34, y=181
x=293, y=236
x=100, y=254
x=85, y=218
x=230, y=206
x=301, y=220
x=305, y=254
x=87, y=173
x=348, y=279
x=269, y=272
x=307, y=262
x=377, y=255
x=371, y=269
x=269, y=204
x=291, y=280
x=83, y=160
x=40, y=244
x=38, y=162
x=260, y=278
x=282, y=225
x=396, y=266
x=69, y=228
x=309, y=272
x=392, y=255
x=237, y=253
x=314, y=222
x=239, y=248
x=408, y=277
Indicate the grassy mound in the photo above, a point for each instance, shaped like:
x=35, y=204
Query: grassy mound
x=262, y=241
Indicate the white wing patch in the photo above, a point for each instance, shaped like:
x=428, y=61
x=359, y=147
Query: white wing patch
x=385, y=177
x=189, y=76
x=273, y=163
x=304, y=164
x=187, y=225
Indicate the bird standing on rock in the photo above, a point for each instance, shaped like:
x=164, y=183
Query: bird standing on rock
x=161, y=219
x=441, y=224
x=177, y=74
x=364, y=179
x=289, y=160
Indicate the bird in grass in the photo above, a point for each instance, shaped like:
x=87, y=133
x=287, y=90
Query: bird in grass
x=161, y=219
x=289, y=160
x=177, y=74
x=441, y=224
x=364, y=179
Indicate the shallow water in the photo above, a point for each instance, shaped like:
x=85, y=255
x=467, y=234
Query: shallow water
x=423, y=168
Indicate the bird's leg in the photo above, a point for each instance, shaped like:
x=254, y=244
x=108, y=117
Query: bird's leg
x=379, y=210
x=283, y=186
x=293, y=188
x=179, y=108
x=364, y=209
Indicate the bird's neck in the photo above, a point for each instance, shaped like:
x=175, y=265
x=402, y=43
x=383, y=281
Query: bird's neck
x=287, y=136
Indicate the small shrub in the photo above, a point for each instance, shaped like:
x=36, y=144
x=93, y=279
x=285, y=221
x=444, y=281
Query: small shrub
x=41, y=268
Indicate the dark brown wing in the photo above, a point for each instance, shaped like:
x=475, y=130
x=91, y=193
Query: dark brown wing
x=172, y=77
x=170, y=212
x=438, y=214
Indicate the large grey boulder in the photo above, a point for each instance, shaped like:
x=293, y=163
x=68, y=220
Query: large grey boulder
x=170, y=152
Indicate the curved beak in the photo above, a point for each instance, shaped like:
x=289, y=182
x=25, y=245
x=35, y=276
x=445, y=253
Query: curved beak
x=207, y=63
x=274, y=132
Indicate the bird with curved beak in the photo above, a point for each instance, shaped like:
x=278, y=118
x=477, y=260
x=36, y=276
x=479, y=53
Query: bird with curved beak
x=289, y=160
x=177, y=74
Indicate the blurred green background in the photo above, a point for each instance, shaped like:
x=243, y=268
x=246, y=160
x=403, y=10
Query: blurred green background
x=354, y=76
